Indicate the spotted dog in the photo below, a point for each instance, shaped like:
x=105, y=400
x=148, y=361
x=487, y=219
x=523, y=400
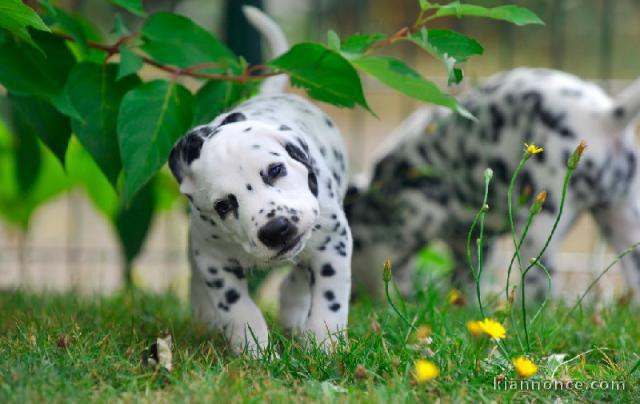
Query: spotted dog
x=428, y=179
x=265, y=182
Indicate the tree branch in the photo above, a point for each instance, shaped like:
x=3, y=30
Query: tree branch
x=190, y=71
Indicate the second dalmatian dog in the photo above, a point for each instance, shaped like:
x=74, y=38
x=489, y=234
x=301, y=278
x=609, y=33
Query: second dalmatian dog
x=428, y=179
x=265, y=183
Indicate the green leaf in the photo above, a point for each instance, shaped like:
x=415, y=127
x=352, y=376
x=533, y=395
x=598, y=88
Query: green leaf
x=80, y=29
x=15, y=17
x=326, y=75
x=176, y=40
x=83, y=171
x=132, y=222
x=119, y=28
x=450, y=47
x=16, y=206
x=216, y=97
x=68, y=25
x=96, y=94
x=333, y=40
x=152, y=117
x=133, y=6
x=397, y=75
x=130, y=62
x=27, y=151
x=358, y=44
x=26, y=70
x=511, y=13
x=34, y=114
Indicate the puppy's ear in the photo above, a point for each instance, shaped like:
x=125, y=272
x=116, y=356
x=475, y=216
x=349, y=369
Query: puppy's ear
x=182, y=155
x=626, y=106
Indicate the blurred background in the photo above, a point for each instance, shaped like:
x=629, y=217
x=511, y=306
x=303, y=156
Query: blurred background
x=62, y=242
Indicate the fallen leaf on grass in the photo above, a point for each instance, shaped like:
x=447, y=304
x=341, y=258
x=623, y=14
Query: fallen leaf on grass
x=63, y=341
x=159, y=354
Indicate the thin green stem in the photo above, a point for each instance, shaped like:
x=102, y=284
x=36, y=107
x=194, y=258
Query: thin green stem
x=512, y=183
x=619, y=257
x=479, y=218
x=546, y=299
x=536, y=260
x=393, y=306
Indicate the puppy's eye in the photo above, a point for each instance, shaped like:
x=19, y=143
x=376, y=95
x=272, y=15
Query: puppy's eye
x=276, y=170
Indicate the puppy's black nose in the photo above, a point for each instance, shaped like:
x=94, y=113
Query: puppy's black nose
x=277, y=232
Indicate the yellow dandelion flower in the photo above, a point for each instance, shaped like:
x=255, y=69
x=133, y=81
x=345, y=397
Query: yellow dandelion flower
x=524, y=367
x=474, y=328
x=456, y=298
x=425, y=370
x=493, y=328
x=532, y=149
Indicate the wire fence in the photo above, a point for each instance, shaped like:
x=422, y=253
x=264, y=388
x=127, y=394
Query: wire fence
x=69, y=246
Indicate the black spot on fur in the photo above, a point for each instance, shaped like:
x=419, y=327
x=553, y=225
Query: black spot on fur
x=216, y=283
x=313, y=183
x=284, y=127
x=334, y=307
x=233, y=117
x=497, y=121
x=232, y=296
x=223, y=306
x=328, y=122
x=213, y=270
x=329, y=295
x=249, y=187
x=619, y=112
x=236, y=270
x=327, y=270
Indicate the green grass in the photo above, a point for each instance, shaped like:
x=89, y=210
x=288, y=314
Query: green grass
x=106, y=338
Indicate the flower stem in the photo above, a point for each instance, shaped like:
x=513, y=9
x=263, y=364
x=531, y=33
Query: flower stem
x=393, y=306
x=512, y=183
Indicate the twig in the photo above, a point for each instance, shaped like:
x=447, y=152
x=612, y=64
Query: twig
x=176, y=71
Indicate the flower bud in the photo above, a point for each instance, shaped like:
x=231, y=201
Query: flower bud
x=386, y=271
x=488, y=174
x=576, y=155
x=537, y=203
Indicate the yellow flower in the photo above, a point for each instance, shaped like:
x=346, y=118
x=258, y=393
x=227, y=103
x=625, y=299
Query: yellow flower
x=524, y=367
x=493, y=328
x=532, y=149
x=456, y=298
x=474, y=328
x=425, y=371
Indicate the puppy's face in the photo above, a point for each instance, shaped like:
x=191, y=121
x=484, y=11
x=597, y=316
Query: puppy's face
x=254, y=180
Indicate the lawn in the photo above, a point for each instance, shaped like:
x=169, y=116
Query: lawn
x=66, y=348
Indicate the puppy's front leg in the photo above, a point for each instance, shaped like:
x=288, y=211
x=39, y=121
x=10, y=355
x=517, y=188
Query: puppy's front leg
x=220, y=297
x=330, y=286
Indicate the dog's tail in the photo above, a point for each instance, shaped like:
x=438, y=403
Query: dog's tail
x=277, y=42
x=626, y=105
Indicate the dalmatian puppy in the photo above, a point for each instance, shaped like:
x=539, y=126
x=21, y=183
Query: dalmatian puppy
x=428, y=179
x=265, y=182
